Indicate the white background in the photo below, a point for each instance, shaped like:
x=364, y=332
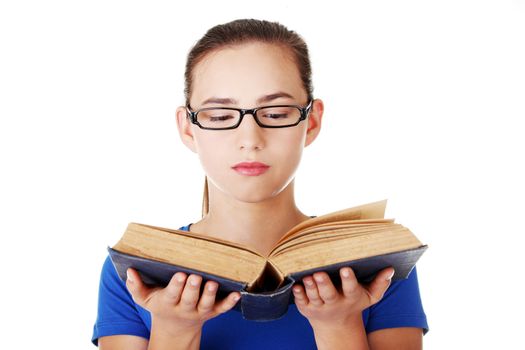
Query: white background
x=424, y=102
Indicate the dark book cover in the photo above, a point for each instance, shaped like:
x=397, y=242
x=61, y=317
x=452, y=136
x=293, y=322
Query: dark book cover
x=269, y=302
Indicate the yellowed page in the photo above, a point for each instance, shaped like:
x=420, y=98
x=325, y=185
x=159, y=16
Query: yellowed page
x=323, y=253
x=187, y=251
x=333, y=233
x=200, y=236
x=375, y=210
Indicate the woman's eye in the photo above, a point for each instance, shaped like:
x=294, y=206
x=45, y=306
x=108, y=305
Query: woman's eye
x=275, y=115
x=220, y=117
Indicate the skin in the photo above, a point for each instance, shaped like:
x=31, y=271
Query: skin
x=251, y=75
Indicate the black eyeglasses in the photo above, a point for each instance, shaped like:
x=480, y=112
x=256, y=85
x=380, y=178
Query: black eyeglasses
x=223, y=118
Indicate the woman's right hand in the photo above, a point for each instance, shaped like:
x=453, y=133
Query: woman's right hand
x=178, y=310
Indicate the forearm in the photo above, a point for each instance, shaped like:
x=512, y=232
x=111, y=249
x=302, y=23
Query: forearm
x=348, y=336
x=170, y=339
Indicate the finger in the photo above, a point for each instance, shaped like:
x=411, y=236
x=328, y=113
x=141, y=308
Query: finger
x=208, y=296
x=173, y=290
x=300, y=295
x=377, y=288
x=312, y=292
x=227, y=303
x=326, y=288
x=349, y=282
x=138, y=290
x=190, y=294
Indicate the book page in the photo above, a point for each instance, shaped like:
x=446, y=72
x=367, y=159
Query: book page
x=374, y=210
x=200, y=236
x=320, y=253
x=332, y=232
x=185, y=250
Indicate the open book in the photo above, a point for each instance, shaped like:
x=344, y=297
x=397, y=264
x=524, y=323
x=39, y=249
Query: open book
x=358, y=237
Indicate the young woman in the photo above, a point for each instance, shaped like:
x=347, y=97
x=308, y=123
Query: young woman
x=249, y=113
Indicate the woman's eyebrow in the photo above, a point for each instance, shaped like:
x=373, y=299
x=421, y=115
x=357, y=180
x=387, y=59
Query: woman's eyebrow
x=231, y=101
x=218, y=100
x=272, y=97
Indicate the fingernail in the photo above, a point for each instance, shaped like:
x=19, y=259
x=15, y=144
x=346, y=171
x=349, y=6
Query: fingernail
x=179, y=278
x=345, y=273
x=129, y=278
x=389, y=277
x=236, y=297
x=212, y=287
x=308, y=282
x=193, y=282
x=319, y=278
x=297, y=289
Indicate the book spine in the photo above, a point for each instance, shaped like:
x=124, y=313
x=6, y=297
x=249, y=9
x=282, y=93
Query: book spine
x=267, y=306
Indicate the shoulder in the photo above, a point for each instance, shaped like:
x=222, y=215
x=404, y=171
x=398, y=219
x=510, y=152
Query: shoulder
x=117, y=313
x=401, y=306
x=407, y=288
x=108, y=275
x=113, y=292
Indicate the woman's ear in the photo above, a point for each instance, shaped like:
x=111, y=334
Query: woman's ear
x=185, y=130
x=314, y=121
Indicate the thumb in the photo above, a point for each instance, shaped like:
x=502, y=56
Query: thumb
x=136, y=287
x=227, y=303
x=377, y=288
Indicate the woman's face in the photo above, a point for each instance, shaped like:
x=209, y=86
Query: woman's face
x=249, y=75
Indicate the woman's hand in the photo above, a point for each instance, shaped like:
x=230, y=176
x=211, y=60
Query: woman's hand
x=328, y=308
x=178, y=308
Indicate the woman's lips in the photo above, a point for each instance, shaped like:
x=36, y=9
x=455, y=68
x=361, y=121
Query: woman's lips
x=251, y=168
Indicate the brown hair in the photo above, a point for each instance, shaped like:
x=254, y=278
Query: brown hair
x=249, y=30
x=243, y=31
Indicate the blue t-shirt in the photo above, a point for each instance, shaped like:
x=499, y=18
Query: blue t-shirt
x=118, y=314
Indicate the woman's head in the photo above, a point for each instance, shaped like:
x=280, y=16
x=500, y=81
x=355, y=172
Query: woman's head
x=243, y=31
x=248, y=69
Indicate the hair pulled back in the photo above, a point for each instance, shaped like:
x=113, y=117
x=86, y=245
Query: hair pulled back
x=250, y=30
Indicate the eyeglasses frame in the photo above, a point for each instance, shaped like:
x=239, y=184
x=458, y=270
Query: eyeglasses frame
x=305, y=111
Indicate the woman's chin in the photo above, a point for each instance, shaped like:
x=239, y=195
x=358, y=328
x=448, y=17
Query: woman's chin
x=259, y=194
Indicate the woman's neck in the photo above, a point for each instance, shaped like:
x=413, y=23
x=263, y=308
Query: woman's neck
x=257, y=225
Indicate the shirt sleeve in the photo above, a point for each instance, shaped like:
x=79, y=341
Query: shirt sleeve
x=400, y=307
x=117, y=312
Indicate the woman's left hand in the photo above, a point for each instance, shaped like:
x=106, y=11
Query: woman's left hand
x=325, y=306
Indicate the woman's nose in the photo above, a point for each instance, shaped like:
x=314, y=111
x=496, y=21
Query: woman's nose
x=250, y=134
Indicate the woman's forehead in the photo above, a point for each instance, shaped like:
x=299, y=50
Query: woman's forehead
x=253, y=69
